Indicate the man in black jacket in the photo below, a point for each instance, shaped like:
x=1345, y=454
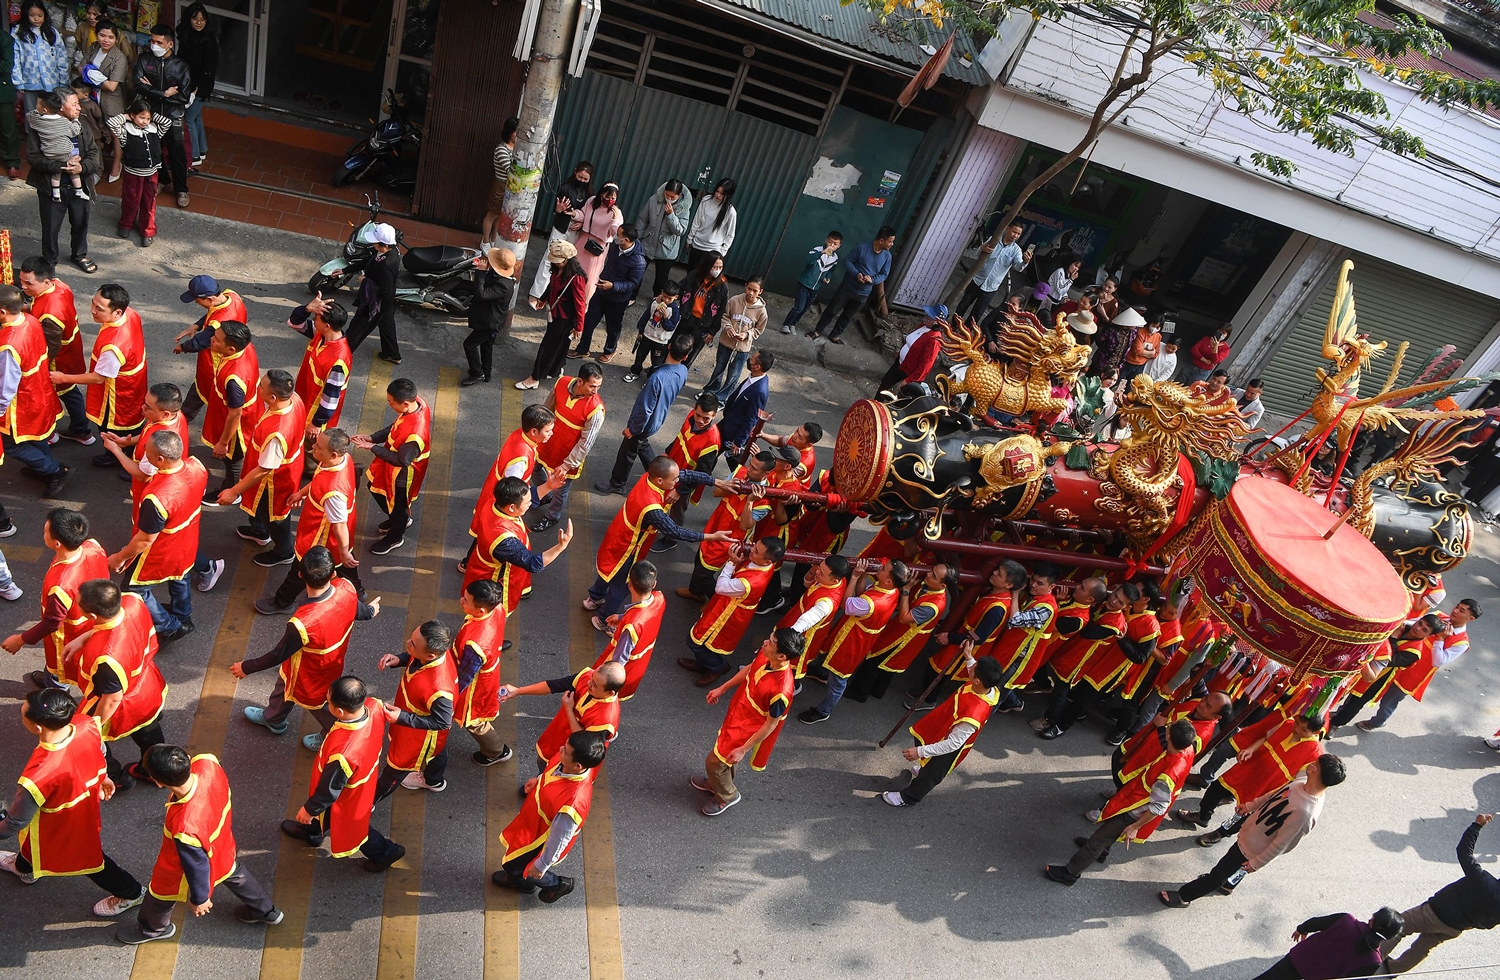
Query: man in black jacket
x=166, y=83
x=494, y=291
x=1471, y=902
x=375, y=306
x=63, y=102
x=619, y=280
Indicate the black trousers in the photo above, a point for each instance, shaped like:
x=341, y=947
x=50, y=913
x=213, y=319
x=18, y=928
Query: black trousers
x=1216, y=876
x=280, y=532
x=648, y=348
x=1214, y=797
x=701, y=337
x=52, y=214
x=232, y=468
x=398, y=510
x=661, y=276
x=292, y=586
x=844, y=305
x=634, y=447
x=192, y=403
x=893, y=379
x=975, y=301
x=1106, y=832
x=144, y=738
x=927, y=778
x=479, y=349
x=156, y=914
x=1083, y=697
x=364, y=322
x=552, y=352
x=176, y=154
x=613, y=315
x=112, y=878
x=10, y=139
x=433, y=772
x=1352, y=706
x=1282, y=969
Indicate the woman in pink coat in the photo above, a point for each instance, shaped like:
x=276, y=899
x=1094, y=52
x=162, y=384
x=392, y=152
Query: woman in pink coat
x=594, y=228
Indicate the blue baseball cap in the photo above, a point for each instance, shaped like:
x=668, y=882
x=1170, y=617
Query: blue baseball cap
x=199, y=287
x=938, y=312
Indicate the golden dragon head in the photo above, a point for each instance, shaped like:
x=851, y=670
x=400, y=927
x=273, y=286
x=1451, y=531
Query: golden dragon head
x=1170, y=418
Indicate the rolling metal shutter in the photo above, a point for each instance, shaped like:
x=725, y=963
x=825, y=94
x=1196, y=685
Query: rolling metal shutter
x=1394, y=304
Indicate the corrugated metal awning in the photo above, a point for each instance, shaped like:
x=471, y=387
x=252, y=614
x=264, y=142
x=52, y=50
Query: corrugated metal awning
x=855, y=28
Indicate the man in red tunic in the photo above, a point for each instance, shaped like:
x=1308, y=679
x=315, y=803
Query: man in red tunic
x=267, y=489
x=162, y=410
x=590, y=703
x=422, y=715
x=400, y=462
x=737, y=513
x=476, y=650
x=1095, y=642
x=762, y=697
x=695, y=448
x=56, y=806
x=906, y=636
x=816, y=609
x=1271, y=752
x=634, y=629
x=579, y=412
x=502, y=552
x=725, y=617
x=869, y=606
x=327, y=520
x=115, y=668
x=233, y=404
x=945, y=734
x=518, y=458
x=983, y=621
x=310, y=655
x=164, y=548
x=53, y=305
x=342, y=791
x=197, y=853
x=551, y=816
x=116, y=374
x=1137, y=809
x=323, y=377
x=1026, y=634
x=29, y=408
x=220, y=306
x=76, y=559
x=1446, y=645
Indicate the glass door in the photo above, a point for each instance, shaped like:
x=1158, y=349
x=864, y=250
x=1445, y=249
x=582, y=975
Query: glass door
x=241, y=26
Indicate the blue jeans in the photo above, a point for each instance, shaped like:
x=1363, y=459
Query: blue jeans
x=728, y=363
x=35, y=454
x=168, y=619
x=612, y=593
x=5, y=580
x=78, y=416
x=836, y=686
x=1388, y=705
x=804, y=299
x=555, y=504
x=1191, y=374
x=193, y=121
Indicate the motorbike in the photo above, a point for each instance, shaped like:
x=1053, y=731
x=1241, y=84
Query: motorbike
x=440, y=276
x=389, y=153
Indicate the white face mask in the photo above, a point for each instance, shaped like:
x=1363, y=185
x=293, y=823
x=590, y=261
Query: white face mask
x=158, y=50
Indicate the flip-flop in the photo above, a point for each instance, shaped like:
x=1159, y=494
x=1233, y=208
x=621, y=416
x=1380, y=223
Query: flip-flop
x=86, y=264
x=1172, y=900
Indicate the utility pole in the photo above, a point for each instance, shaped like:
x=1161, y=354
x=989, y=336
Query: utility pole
x=549, y=63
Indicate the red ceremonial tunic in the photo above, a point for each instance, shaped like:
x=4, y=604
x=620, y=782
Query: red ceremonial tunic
x=1078, y=651
x=56, y=304
x=419, y=690
x=1170, y=641
x=284, y=426
x=594, y=714
x=883, y=546
x=414, y=427
x=767, y=527
x=641, y=621
x=725, y=617
x=1076, y=616
x=324, y=626
x=628, y=535
x=1150, y=743
x=1376, y=689
x=811, y=532
x=555, y=792
x=855, y=636
x=964, y=706
x=750, y=706
x=230, y=308
x=572, y=415
x=942, y=659
x=1017, y=647
x=1413, y=680
x=493, y=526
x=725, y=517
x=816, y=635
x=517, y=448
x=126, y=646
x=485, y=635
x=177, y=493
x=200, y=819
x=1275, y=763
x=328, y=481
x=353, y=746
x=179, y=425
x=64, y=779
x=900, y=643
x=318, y=362
x=33, y=413
x=1140, y=628
x=689, y=447
x=1107, y=666
x=117, y=403
x=1172, y=766
x=61, y=582
x=242, y=367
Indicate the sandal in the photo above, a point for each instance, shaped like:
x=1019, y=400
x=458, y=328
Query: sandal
x=86, y=264
x=604, y=358
x=1173, y=900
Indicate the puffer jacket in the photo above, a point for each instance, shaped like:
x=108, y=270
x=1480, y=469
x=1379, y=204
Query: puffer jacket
x=661, y=233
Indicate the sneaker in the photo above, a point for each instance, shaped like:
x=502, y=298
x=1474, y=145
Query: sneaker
x=257, y=716
x=563, y=887
x=211, y=499
x=1493, y=742
x=630, y=377
x=1051, y=733
x=375, y=867
x=11, y=592
x=130, y=933
x=663, y=545
x=1019, y=705
x=463, y=565
x=385, y=546
x=1039, y=724
x=109, y=906
x=812, y=716
x=248, y=915
x=313, y=742
x=56, y=482
x=270, y=559
x=1093, y=816
x=786, y=330
x=8, y=863
x=1114, y=738
x=207, y=580
x=83, y=438
x=915, y=704
x=1366, y=726
x=9, y=530
x=598, y=624
x=389, y=360
x=480, y=759
x=894, y=799
x=247, y=533
x=183, y=200
x=515, y=883
x=774, y=607
x=545, y=524
x=384, y=526
x=699, y=783
x=591, y=604
x=796, y=688
x=415, y=780
x=716, y=806
x=269, y=607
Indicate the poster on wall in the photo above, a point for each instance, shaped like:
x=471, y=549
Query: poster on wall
x=1051, y=230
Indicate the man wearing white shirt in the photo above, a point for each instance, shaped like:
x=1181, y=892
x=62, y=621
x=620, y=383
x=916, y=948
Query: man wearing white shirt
x=1247, y=399
x=995, y=267
x=1412, y=681
x=1164, y=365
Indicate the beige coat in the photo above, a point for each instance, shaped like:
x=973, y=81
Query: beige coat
x=741, y=325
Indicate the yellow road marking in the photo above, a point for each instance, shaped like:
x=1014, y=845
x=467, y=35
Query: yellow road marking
x=24, y=554
x=403, y=882
x=281, y=958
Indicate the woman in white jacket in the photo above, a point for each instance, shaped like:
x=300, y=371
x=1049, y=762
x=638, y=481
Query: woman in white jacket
x=713, y=224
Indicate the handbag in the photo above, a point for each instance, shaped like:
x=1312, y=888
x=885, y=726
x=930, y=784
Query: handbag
x=593, y=247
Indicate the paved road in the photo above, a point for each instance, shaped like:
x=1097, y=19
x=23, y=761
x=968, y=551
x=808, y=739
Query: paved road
x=811, y=875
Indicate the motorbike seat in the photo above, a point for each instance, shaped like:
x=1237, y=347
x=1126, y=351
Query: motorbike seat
x=434, y=258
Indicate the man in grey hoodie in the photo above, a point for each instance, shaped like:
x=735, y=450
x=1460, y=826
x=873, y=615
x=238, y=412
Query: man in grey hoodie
x=662, y=222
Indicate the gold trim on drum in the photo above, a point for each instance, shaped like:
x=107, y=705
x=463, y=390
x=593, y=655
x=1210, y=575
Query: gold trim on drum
x=862, y=455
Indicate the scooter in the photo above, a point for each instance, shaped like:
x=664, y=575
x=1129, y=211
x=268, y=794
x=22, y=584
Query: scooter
x=442, y=275
x=389, y=153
